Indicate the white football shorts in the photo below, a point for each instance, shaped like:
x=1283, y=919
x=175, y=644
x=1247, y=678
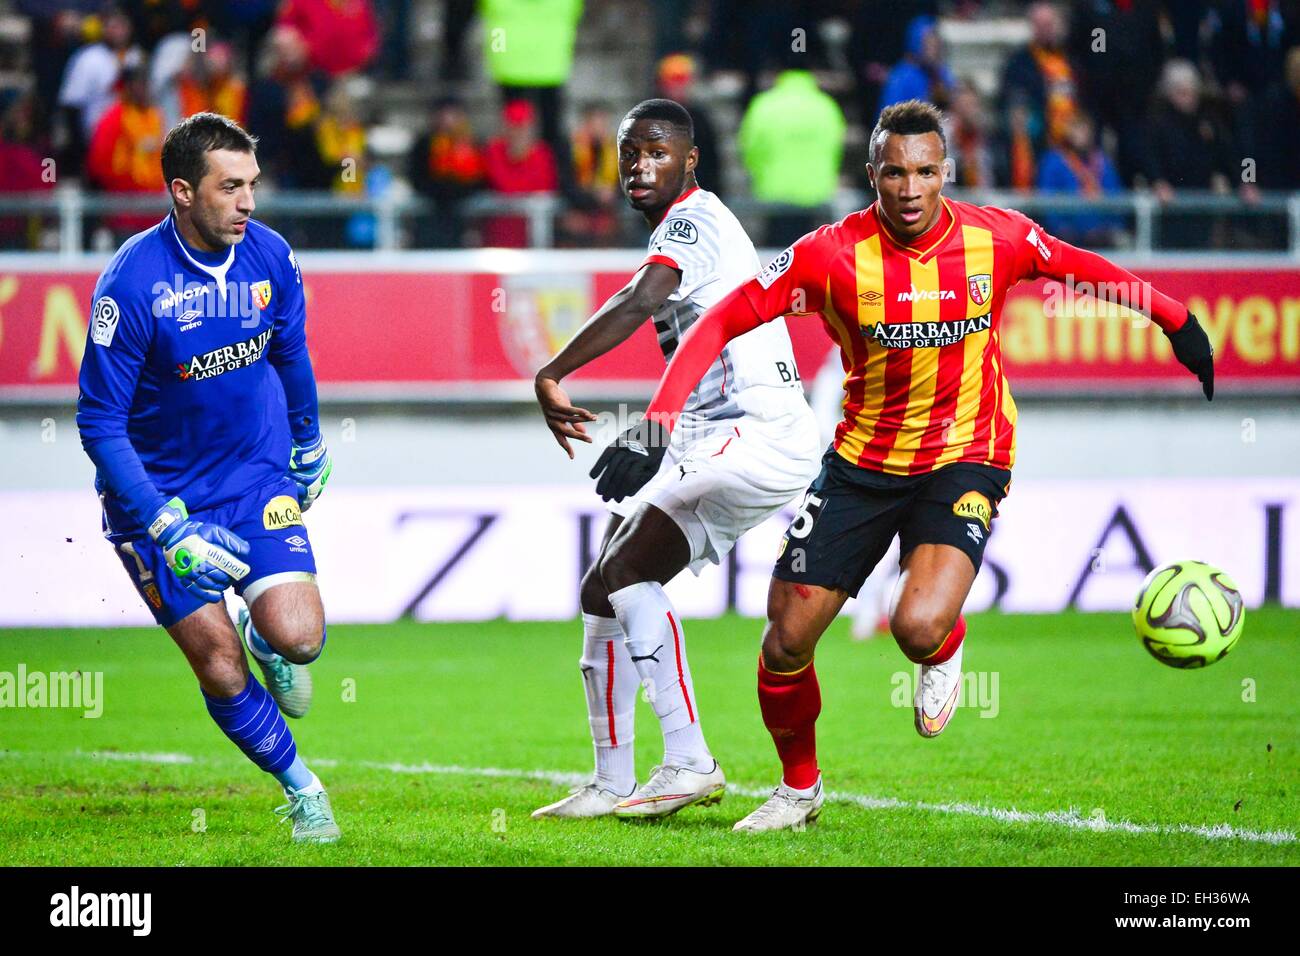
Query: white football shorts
x=717, y=487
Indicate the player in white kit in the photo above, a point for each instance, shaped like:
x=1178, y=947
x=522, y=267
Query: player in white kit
x=746, y=446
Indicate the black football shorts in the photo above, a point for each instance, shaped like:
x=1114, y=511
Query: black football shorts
x=849, y=516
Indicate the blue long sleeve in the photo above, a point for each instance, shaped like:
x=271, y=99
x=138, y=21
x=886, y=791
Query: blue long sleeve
x=292, y=362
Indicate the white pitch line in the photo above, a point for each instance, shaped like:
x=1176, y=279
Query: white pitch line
x=1068, y=818
x=1071, y=819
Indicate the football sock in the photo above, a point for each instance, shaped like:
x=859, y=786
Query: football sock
x=658, y=649
x=611, y=684
x=297, y=775
x=790, y=704
x=253, y=722
x=949, y=646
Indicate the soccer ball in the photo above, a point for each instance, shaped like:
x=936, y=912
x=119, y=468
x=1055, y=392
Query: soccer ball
x=1188, y=614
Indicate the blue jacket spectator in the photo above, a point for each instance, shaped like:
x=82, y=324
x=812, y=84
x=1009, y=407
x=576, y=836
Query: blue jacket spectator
x=921, y=74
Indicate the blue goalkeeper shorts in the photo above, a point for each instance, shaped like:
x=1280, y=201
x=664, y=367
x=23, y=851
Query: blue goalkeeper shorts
x=278, y=551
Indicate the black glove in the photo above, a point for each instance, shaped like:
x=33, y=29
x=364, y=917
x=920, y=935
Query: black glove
x=631, y=460
x=1192, y=348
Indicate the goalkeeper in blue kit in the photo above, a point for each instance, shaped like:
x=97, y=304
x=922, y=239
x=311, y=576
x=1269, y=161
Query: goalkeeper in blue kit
x=198, y=408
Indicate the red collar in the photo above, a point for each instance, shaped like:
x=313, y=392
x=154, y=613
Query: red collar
x=668, y=208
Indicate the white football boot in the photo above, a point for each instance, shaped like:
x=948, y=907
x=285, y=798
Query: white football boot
x=669, y=789
x=936, y=695
x=587, y=801
x=311, y=814
x=785, y=809
x=288, y=683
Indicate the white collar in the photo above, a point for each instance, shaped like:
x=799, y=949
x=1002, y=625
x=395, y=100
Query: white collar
x=217, y=272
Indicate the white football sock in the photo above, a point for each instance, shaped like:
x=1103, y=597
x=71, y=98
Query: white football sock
x=611, y=684
x=658, y=649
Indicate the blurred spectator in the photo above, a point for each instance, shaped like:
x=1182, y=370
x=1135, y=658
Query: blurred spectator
x=1249, y=39
x=126, y=150
x=90, y=79
x=921, y=74
x=457, y=15
x=151, y=20
x=283, y=107
x=1190, y=149
x=754, y=36
x=675, y=78
x=56, y=35
x=791, y=140
x=1022, y=158
x=341, y=35
x=395, y=33
x=517, y=162
x=971, y=148
x=529, y=46
x=246, y=23
x=23, y=166
x=341, y=142
x=1079, y=167
x=208, y=83
x=1039, y=78
x=876, y=43
x=1119, y=51
x=446, y=166
x=593, y=219
x=1279, y=161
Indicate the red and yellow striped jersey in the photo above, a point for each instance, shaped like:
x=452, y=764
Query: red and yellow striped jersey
x=917, y=330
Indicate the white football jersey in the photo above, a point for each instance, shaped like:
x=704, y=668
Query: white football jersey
x=701, y=239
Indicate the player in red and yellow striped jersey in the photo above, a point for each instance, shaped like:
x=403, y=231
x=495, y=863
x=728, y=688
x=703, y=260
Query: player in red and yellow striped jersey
x=911, y=290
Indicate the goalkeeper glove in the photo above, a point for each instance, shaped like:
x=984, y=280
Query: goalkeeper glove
x=631, y=460
x=1192, y=347
x=310, y=467
x=206, y=557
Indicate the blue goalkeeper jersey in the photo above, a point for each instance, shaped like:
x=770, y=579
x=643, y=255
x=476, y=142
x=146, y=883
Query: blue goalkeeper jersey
x=196, y=375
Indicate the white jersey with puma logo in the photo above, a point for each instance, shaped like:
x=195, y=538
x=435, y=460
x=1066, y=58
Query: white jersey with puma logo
x=701, y=239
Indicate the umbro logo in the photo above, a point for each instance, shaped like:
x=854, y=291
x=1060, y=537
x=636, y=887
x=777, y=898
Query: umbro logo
x=296, y=540
x=974, y=532
x=871, y=297
x=637, y=447
x=267, y=744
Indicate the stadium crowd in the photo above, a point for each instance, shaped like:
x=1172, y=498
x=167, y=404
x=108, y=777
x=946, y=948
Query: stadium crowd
x=1106, y=96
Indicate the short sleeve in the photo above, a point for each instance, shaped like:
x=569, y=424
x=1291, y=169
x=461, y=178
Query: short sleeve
x=794, y=283
x=687, y=241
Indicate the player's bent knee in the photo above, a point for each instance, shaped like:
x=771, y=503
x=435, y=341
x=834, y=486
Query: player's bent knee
x=785, y=650
x=303, y=647
x=592, y=594
x=221, y=678
x=919, y=633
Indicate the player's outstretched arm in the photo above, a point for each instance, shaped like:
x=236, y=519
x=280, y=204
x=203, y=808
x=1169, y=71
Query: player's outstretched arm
x=1191, y=345
x=609, y=327
x=634, y=457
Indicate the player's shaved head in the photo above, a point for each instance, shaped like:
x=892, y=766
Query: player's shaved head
x=669, y=112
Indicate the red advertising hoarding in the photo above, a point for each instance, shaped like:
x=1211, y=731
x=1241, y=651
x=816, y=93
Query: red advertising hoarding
x=399, y=330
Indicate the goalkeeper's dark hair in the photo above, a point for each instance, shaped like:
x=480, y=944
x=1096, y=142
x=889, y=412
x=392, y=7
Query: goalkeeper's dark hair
x=909, y=118
x=184, y=151
x=670, y=111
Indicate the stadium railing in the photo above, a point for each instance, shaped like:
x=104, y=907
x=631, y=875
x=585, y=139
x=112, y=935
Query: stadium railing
x=73, y=209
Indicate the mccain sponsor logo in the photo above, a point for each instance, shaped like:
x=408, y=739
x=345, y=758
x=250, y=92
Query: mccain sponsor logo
x=924, y=335
x=281, y=512
x=228, y=358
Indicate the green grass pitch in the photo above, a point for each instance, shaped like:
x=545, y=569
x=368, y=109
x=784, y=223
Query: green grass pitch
x=1092, y=753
